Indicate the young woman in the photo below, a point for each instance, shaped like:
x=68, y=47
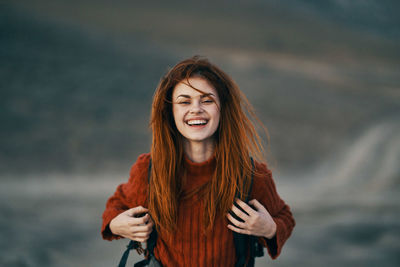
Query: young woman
x=202, y=168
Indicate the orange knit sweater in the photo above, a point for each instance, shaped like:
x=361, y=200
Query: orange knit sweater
x=190, y=246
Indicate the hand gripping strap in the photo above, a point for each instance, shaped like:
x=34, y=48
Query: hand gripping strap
x=151, y=242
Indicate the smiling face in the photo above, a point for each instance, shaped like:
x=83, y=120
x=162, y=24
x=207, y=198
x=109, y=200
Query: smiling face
x=196, y=113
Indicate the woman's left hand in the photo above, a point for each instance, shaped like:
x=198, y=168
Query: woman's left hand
x=257, y=222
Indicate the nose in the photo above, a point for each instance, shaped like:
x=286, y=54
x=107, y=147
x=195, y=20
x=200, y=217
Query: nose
x=196, y=107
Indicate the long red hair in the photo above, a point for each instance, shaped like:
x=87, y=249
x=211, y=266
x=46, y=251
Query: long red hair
x=236, y=141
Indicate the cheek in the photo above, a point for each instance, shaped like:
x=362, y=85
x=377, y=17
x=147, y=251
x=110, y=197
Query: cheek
x=177, y=114
x=216, y=116
x=216, y=111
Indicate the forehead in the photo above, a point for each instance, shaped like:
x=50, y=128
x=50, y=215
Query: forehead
x=199, y=83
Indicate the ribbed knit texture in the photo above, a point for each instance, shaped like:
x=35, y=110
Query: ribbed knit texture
x=190, y=246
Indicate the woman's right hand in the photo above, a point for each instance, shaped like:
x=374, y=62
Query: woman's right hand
x=134, y=228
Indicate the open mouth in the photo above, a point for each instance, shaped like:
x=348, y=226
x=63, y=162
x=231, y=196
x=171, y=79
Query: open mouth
x=196, y=122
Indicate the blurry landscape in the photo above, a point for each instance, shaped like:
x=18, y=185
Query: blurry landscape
x=76, y=84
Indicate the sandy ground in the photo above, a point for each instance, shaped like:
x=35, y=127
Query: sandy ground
x=52, y=221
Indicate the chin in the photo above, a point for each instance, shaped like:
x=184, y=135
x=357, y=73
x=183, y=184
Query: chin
x=200, y=139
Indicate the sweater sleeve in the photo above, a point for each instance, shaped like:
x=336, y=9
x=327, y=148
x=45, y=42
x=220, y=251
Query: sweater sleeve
x=264, y=190
x=128, y=195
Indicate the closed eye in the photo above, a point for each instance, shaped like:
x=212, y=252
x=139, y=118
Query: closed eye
x=207, y=99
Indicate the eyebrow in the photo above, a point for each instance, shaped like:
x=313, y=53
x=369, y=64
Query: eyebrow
x=202, y=96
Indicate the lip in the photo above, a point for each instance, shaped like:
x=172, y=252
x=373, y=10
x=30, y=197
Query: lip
x=197, y=118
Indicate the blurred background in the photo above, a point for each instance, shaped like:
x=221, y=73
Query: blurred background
x=76, y=85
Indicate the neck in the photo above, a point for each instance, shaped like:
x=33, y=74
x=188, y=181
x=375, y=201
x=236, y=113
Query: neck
x=199, y=151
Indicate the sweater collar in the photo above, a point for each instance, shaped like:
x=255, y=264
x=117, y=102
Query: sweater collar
x=205, y=168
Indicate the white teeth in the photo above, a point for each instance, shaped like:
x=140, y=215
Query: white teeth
x=197, y=122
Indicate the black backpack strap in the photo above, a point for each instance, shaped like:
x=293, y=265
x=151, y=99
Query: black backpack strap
x=242, y=241
x=132, y=245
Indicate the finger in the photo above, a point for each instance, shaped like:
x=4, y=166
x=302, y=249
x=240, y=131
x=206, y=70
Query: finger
x=136, y=210
x=145, y=219
x=149, y=218
x=240, y=213
x=139, y=221
x=150, y=223
x=257, y=205
x=141, y=235
x=141, y=229
x=235, y=222
x=130, y=212
x=245, y=207
x=238, y=230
